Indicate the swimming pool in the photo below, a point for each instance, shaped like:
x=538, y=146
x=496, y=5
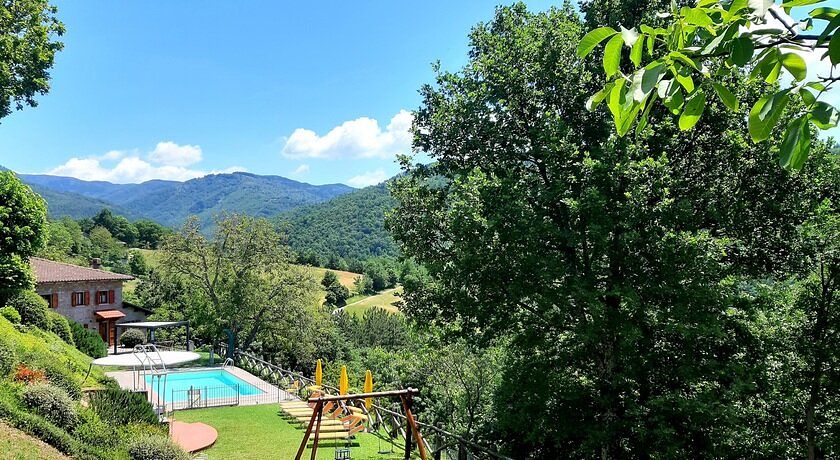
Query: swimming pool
x=202, y=385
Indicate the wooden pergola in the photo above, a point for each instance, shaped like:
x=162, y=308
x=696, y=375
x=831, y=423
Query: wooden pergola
x=405, y=396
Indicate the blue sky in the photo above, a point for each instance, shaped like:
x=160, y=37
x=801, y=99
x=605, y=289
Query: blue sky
x=315, y=91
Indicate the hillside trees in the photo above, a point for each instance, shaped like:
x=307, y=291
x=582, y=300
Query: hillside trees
x=28, y=31
x=23, y=221
x=605, y=260
x=239, y=280
x=336, y=293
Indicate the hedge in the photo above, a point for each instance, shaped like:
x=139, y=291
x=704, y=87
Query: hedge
x=88, y=341
x=10, y=314
x=122, y=407
x=132, y=337
x=32, y=308
x=60, y=327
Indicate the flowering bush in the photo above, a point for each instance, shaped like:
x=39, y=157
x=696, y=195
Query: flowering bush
x=25, y=374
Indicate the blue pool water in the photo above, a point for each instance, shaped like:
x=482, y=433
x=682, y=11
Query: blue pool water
x=211, y=384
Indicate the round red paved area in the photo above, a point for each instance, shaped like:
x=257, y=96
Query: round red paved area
x=192, y=436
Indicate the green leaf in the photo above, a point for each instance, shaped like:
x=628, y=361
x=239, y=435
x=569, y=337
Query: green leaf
x=693, y=110
x=807, y=97
x=675, y=101
x=596, y=98
x=726, y=96
x=775, y=71
x=795, y=3
x=685, y=81
x=825, y=13
x=645, y=80
x=592, y=39
x=834, y=49
x=795, y=65
x=616, y=100
x=696, y=16
x=636, y=51
x=796, y=144
x=765, y=114
x=765, y=63
x=824, y=115
x=742, y=51
x=677, y=56
x=612, y=55
x=829, y=29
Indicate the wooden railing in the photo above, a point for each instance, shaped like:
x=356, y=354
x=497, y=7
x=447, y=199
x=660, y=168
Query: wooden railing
x=441, y=444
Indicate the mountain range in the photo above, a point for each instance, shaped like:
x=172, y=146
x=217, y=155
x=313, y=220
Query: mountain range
x=171, y=203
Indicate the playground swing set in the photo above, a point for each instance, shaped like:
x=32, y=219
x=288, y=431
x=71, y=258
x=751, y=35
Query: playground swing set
x=322, y=402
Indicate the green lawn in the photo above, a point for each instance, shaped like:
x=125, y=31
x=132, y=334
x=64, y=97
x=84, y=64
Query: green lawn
x=259, y=433
x=17, y=445
x=384, y=300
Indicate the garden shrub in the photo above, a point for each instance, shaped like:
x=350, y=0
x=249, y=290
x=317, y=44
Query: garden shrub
x=122, y=407
x=8, y=358
x=32, y=308
x=93, y=431
x=155, y=448
x=60, y=327
x=26, y=375
x=132, y=337
x=88, y=341
x=62, y=377
x=10, y=314
x=52, y=403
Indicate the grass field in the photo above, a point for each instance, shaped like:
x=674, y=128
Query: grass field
x=384, y=300
x=17, y=445
x=259, y=433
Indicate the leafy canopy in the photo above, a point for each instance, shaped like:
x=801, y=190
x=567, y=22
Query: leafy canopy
x=684, y=63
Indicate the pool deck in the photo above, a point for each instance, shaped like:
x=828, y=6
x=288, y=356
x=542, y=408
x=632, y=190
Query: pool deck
x=271, y=394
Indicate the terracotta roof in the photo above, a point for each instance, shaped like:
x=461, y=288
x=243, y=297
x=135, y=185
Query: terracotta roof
x=48, y=271
x=109, y=314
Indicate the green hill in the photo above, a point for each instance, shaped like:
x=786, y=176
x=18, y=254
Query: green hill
x=171, y=203
x=351, y=226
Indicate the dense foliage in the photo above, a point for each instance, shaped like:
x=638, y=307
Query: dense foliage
x=122, y=407
x=88, y=341
x=132, y=337
x=241, y=280
x=336, y=293
x=32, y=308
x=345, y=229
x=620, y=270
x=156, y=448
x=29, y=31
x=60, y=326
x=52, y=403
x=756, y=35
x=104, y=236
x=22, y=222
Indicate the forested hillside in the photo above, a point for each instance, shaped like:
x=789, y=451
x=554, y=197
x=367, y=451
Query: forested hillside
x=171, y=203
x=351, y=227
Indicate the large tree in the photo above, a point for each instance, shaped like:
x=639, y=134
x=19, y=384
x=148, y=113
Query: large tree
x=23, y=226
x=240, y=280
x=614, y=264
x=28, y=43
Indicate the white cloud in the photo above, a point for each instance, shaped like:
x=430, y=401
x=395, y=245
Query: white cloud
x=302, y=169
x=171, y=154
x=368, y=178
x=120, y=167
x=359, y=138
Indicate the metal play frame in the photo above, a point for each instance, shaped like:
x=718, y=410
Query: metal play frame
x=405, y=396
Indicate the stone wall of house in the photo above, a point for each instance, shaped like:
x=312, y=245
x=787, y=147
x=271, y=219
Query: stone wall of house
x=84, y=314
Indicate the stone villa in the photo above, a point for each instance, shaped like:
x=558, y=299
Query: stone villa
x=89, y=296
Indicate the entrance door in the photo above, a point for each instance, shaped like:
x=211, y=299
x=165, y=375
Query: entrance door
x=103, y=330
x=108, y=331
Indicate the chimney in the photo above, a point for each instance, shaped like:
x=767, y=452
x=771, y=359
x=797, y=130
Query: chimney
x=96, y=263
